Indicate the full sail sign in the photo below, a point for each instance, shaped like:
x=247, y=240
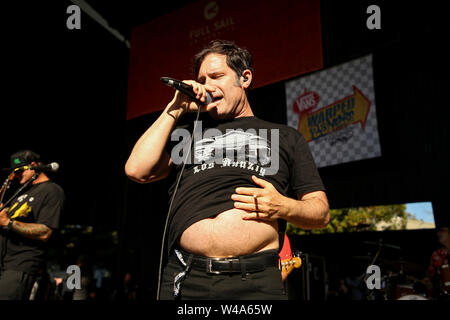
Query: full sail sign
x=278, y=33
x=335, y=111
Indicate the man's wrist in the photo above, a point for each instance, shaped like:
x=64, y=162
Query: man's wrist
x=174, y=111
x=8, y=226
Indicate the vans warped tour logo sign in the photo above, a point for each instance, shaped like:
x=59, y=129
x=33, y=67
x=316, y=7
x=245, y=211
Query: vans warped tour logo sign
x=334, y=109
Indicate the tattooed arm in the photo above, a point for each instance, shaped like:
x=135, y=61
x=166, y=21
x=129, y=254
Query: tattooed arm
x=35, y=231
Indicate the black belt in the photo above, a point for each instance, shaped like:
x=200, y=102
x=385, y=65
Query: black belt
x=242, y=264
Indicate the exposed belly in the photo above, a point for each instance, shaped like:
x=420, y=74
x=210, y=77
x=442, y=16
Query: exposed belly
x=228, y=235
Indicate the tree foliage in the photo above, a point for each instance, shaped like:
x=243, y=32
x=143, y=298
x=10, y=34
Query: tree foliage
x=388, y=217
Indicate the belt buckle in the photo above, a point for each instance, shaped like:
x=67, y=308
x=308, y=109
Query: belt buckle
x=209, y=267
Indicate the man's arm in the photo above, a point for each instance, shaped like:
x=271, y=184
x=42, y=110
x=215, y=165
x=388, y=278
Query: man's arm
x=310, y=211
x=148, y=161
x=35, y=231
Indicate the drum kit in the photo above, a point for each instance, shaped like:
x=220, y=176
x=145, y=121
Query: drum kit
x=399, y=277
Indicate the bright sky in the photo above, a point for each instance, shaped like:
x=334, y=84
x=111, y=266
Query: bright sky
x=422, y=211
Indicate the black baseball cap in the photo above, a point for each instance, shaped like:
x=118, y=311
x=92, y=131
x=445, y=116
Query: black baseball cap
x=23, y=158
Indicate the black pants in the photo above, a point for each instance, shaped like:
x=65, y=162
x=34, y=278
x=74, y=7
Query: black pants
x=15, y=285
x=198, y=285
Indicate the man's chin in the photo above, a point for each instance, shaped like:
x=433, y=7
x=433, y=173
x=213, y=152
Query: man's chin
x=220, y=114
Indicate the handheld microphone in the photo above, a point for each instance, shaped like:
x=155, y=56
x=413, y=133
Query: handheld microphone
x=186, y=89
x=51, y=167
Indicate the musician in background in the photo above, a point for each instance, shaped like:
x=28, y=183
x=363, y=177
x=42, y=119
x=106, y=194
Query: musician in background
x=26, y=225
x=439, y=262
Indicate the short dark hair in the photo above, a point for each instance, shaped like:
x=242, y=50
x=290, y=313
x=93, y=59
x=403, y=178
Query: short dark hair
x=238, y=59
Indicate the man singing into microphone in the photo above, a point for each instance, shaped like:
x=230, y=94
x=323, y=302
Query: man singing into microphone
x=228, y=212
x=26, y=225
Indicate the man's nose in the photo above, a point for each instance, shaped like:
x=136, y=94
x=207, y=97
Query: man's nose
x=209, y=81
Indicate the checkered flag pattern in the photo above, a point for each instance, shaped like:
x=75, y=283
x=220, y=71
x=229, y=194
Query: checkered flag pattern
x=352, y=142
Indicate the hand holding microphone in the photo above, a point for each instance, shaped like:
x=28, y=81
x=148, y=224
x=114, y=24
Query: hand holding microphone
x=200, y=94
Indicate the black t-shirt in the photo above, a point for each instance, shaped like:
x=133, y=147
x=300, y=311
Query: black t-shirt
x=225, y=156
x=41, y=203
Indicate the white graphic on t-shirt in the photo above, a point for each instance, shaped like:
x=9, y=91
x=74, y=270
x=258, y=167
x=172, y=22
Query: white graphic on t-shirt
x=211, y=148
x=22, y=197
x=230, y=163
x=236, y=144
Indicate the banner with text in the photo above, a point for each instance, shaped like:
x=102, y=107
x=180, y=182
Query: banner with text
x=334, y=109
x=283, y=36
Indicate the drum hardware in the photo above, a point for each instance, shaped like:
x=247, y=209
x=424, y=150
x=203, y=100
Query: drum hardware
x=444, y=271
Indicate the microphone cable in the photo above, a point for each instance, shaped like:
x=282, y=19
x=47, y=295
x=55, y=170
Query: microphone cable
x=170, y=206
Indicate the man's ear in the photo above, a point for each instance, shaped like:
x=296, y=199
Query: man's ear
x=246, y=78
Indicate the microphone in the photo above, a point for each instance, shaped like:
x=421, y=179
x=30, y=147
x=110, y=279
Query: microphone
x=51, y=167
x=186, y=89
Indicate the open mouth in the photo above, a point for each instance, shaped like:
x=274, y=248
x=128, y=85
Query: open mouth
x=216, y=99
